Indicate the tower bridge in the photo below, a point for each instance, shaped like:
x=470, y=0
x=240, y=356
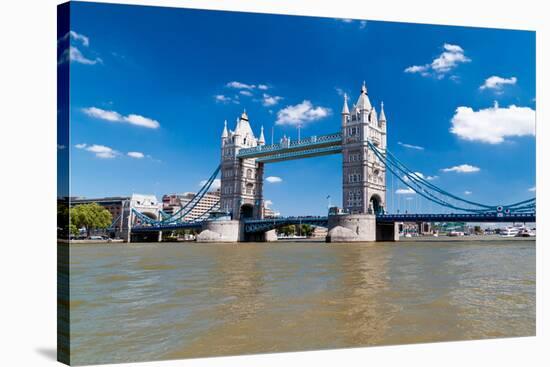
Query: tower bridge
x=362, y=142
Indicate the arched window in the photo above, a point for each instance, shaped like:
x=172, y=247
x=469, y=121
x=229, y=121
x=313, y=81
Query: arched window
x=249, y=173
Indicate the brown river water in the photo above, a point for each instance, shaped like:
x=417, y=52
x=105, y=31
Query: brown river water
x=161, y=301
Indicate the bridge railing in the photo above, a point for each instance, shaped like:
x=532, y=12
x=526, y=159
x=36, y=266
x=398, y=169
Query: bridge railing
x=290, y=144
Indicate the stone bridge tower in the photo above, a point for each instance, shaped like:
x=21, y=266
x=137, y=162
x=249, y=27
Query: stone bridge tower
x=241, y=179
x=364, y=175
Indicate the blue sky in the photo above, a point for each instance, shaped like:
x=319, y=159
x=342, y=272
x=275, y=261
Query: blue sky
x=151, y=87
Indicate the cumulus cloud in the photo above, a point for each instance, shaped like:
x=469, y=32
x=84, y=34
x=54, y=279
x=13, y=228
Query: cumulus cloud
x=239, y=85
x=100, y=151
x=114, y=116
x=72, y=53
x=268, y=203
x=301, y=113
x=268, y=100
x=216, y=184
x=410, y=146
x=246, y=93
x=449, y=59
x=76, y=37
x=497, y=83
x=463, y=168
x=263, y=87
x=273, y=179
x=137, y=155
x=467, y=192
x=407, y=191
x=493, y=125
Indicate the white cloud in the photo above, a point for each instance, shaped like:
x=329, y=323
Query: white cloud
x=407, y=191
x=76, y=37
x=416, y=69
x=273, y=179
x=268, y=203
x=268, y=100
x=239, y=85
x=80, y=146
x=497, y=83
x=221, y=98
x=493, y=125
x=362, y=23
x=410, y=146
x=463, y=168
x=216, y=184
x=80, y=37
x=263, y=87
x=102, y=151
x=467, y=192
x=141, y=121
x=73, y=54
x=301, y=113
x=450, y=58
x=246, y=93
x=532, y=189
x=114, y=116
x=340, y=91
x=137, y=155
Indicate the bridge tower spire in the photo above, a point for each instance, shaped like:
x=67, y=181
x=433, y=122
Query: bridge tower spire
x=345, y=110
x=364, y=176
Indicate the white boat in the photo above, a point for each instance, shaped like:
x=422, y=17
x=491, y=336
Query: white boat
x=510, y=231
x=455, y=234
x=526, y=232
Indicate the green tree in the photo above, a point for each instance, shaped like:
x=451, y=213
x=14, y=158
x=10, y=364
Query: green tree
x=287, y=230
x=306, y=230
x=74, y=230
x=90, y=216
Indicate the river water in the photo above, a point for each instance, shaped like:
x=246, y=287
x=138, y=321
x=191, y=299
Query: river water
x=159, y=301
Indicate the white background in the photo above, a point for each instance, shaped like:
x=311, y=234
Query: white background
x=28, y=176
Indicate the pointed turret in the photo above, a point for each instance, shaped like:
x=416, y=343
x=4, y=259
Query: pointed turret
x=373, y=115
x=225, y=133
x=345, y=109
x=261, y=140
x=244, y=116
x=363, y=103
x=382, y=117
x=237, y=127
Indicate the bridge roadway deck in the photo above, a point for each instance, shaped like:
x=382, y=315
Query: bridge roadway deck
x=262, y=225
x=288, y=149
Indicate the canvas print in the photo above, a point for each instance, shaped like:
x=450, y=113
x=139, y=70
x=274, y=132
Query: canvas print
x=235, y=183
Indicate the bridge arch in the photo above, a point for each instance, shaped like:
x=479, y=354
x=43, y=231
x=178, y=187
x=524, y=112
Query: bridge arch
x=375, y=204
x=247, y=211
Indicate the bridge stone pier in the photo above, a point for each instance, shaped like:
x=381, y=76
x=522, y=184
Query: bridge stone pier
x=243, y=157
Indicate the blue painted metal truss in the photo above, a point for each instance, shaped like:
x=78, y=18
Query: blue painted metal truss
x=287, y=149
